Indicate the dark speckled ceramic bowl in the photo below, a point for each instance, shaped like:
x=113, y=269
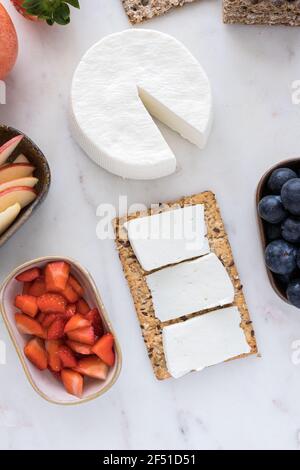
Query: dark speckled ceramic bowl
x=42, y=172
x=262, y=190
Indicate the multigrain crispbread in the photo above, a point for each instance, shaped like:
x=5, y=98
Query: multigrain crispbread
x=142, y=10
x=270, y=12
x=135, y=275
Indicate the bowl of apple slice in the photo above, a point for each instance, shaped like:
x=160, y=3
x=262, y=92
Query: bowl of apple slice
x=24, y=180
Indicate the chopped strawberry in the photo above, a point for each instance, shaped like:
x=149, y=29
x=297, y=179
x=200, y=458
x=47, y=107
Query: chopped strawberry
x=52, y=348
x=36, y=353
x=56, y=276
x=70, y=311
x=104, y=349
x=40, y=317
x=70, y=294
x=56, y=329
x=79, y=348
x=73, y=382
x=49, y=318
x=82, y=307
x=92, y=367
x=76, y=286
x=67, y=357
x=29, y=275
x=94, y=317
x=28, y=304
x=26, y=288
x=52, y=303
x=76, y=322
x=37, y=288
x=56, y=375
x=83, y=335
x=29, y=326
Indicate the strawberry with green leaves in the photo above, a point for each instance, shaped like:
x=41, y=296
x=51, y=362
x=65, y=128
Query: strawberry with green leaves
x=51, y=11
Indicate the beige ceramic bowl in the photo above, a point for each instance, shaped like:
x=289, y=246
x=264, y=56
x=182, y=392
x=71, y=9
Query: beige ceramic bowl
x=44, y=383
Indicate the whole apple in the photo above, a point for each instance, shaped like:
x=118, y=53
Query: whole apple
x=8, y=43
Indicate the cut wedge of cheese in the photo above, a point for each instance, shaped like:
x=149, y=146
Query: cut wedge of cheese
x=119, y=82
x=8, y=216
x=204, y=341
x=169, y=237
x=190, y=287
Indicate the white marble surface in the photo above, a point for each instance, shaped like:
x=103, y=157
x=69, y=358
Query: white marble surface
x=251, y=403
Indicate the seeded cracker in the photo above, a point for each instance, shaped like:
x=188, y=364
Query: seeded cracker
x=142, y=10
x=135, y=275
x=269, y=12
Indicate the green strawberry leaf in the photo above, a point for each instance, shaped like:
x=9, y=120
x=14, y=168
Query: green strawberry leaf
x=62, y=14
x=52, y=11
x=73, y=3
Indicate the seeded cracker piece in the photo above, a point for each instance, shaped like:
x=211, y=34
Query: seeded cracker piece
x=135, y=275
x=271, y=12
x=141, y=10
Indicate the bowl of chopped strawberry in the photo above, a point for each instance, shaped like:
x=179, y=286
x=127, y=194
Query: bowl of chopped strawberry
x=60, y=329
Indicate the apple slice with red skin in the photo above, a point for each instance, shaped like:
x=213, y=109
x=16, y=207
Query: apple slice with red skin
x=22, y=195
x=29, y=181
x=8, y=216
x=14, y=171
x=7, y=149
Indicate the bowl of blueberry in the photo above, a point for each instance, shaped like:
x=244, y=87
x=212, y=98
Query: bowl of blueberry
x=278, y=207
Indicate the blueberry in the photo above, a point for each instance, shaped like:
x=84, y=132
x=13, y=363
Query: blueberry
x=290, y=230
x=298, y=259
x=290, y=195
x=281, y=257
x=293, y=292
x=273, y=231
x=270, y=208
x=279, y=177
x=284, y=279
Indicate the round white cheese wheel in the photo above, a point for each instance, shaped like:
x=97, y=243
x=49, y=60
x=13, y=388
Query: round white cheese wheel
x=123, y=80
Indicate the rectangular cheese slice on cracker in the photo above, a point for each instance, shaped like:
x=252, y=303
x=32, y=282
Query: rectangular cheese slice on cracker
x=169, y=237
x=151, y=326
x=190, y=287
x=204, y=341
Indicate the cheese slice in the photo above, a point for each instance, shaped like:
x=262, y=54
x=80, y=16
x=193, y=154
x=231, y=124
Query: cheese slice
x=190, y=287
x=169, y=237
x=204, y=341
x=122, y=79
